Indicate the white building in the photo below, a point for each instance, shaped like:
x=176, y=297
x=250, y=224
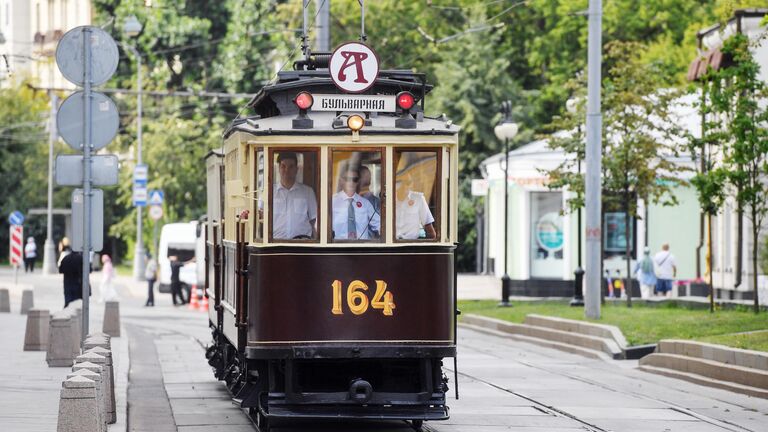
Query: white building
x=30, y=30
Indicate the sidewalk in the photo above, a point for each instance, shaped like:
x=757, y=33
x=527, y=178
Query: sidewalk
x=29, y=389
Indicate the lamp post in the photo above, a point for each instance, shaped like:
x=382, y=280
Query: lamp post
x=505, y=131
x=131, y=28
x=578, y=275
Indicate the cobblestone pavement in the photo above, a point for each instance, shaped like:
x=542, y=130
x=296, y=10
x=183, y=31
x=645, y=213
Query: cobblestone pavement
x=503, y=384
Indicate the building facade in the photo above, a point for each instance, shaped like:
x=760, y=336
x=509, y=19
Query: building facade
x=31, y=30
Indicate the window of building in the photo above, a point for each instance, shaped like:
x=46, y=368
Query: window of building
x=356, y=195
x=293, y=201
x=417, y=195
x=615, y=237
x=547, y=240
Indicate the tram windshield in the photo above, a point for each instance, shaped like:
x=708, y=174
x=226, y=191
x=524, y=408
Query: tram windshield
x=416, y=195
x=356, y=195
x=294, y=195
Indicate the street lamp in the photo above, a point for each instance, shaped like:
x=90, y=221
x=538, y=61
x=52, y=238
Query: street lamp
x=131, y=28
x=572, y=105
x=506, y=130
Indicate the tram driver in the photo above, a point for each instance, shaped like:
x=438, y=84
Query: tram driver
x=294, y=204
x=414, y=220
x=354, y=217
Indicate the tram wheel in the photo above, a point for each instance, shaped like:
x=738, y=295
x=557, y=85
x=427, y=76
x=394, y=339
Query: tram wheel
x=417, y=424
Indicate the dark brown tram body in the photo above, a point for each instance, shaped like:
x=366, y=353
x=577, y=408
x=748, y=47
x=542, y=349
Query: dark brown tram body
x=316, y=326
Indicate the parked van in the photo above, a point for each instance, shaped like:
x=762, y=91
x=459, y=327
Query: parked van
x=180, y=239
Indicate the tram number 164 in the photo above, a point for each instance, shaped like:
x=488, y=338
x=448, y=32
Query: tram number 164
x=357, y=300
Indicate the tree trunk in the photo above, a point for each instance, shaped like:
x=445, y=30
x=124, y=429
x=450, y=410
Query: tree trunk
x=628, y=283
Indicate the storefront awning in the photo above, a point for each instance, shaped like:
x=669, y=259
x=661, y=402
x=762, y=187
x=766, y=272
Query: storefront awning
x=714, y=59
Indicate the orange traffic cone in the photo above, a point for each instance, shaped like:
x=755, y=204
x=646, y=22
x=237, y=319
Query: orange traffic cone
x=193, y=304
x=204, y=303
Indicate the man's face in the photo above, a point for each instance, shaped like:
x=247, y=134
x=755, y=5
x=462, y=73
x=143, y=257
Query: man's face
x=350, y=181
x=288, y=171
x=365, y=178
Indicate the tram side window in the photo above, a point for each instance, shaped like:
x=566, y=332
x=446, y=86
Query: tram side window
x=416, y=195
x=294, y=195
x=356, y=195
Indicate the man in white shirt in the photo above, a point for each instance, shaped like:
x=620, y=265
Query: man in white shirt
x=666, y=270
x=354, y=217
x=414, y=220
x=294, y=205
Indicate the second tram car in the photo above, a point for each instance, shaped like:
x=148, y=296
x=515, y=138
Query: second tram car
x=330, y=251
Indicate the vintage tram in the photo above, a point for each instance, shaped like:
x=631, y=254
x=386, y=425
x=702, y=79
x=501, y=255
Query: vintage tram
x=330, y=249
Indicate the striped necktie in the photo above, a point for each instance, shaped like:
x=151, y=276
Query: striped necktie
x=351, y=225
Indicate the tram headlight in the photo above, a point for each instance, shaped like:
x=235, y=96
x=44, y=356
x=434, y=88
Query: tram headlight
x=355, y=122
x=304, y=100
x=405, y=100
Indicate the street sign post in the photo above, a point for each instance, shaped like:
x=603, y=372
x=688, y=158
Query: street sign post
x=140, y=186
x=97, y=221
x=69, y=170
x=105, y=120
x=16, y=218
x=17, y=246
x=88, y=121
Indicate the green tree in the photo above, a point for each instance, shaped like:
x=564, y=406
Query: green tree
x=736, y=93
x=639, y=136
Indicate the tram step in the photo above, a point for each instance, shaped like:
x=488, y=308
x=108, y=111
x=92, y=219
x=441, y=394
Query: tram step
x=359, y=412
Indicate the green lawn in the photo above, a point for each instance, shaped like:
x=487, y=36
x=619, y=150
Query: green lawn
x=645, y=324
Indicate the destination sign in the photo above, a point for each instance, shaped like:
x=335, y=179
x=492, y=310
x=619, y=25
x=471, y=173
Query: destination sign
x=344, y=102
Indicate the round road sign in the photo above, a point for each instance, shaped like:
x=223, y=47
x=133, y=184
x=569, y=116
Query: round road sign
x=354, y=67
x=155, y=212
x=104, y=55
x=104, y=120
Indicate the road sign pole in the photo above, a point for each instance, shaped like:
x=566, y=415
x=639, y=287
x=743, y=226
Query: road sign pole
x=138, y=254
x=86, y=180
x=49, y=251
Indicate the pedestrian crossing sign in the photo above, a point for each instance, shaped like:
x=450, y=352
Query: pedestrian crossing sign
x=155, y=197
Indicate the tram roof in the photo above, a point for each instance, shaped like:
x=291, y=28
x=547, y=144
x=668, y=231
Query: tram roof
x=275, y=109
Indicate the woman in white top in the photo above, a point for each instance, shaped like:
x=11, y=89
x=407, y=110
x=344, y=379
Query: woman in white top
x=30, y=255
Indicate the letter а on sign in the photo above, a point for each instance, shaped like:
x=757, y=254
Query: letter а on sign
x=354, y=67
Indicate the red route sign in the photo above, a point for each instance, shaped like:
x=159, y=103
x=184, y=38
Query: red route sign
x=354, y=67
x=17, y=245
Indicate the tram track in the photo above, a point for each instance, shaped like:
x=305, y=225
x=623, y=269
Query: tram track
x=723, y=424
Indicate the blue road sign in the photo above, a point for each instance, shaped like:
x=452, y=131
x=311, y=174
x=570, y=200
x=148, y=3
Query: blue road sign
x=16, y=218
x=156, y=197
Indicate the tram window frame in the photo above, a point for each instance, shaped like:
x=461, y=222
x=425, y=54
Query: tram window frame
x=271, y=183
x=258, y=194
x=438, y=213
x=382, y=195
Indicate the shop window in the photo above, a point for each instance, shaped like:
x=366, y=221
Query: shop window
x=293, y=205
x=546, y=235
x=356, y=195
x=615, y=237
x=417, y=198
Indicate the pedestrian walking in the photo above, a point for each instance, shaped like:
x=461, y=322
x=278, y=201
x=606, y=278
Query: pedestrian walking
x=107, y=290
x=71, y=266
x=666, y=270
x=151, y=275
x=30, y=255
x=646, y=274
x=176, y=266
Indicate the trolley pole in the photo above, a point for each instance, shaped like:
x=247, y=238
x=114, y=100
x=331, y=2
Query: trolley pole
x=593, y=155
